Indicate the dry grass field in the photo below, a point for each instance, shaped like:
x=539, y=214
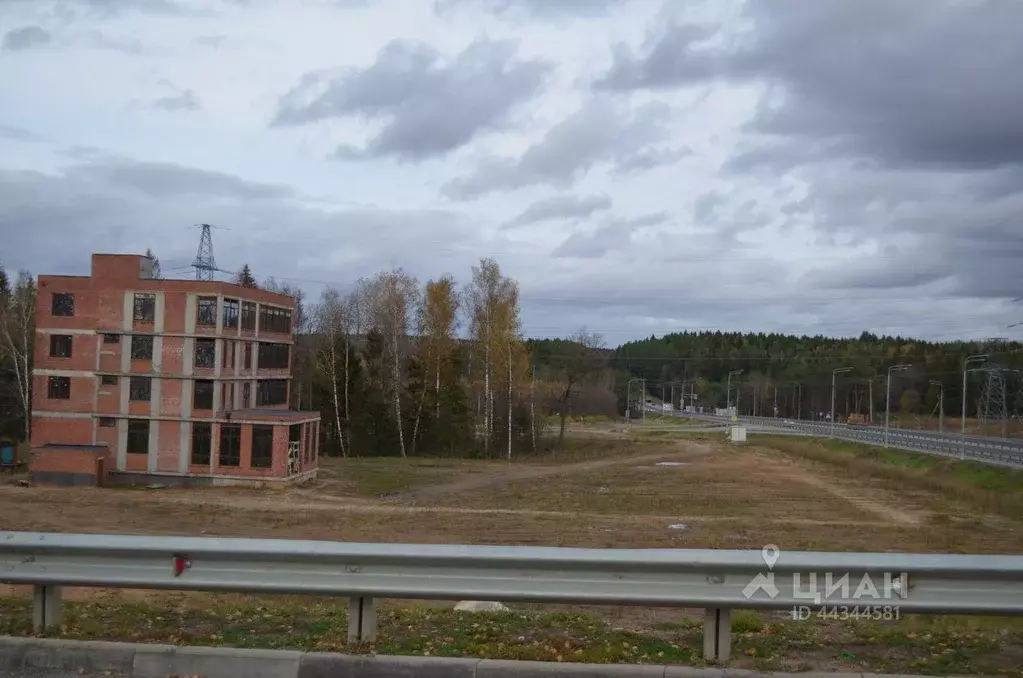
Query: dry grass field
x=646, y=487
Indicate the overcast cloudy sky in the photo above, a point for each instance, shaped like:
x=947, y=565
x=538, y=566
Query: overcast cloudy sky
x=639, y=166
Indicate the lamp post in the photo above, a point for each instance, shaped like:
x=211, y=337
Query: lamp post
x=941, y=405
x=728, y=390
x=888, y=397
x=966, y=363
x=628, y=399
x=834, y=374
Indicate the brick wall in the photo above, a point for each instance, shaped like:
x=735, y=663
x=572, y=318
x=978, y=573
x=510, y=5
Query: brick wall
x=104, y=302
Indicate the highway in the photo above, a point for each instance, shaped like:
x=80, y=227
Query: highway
x=987, y=449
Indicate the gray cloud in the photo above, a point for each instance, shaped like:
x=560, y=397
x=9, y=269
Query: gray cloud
x=944, y=92
x=18, y=134
x=615, y=233
x=185, y=101
x=100, y=40
x=539, y=8
x=26, y=37
x=905, y=132
x=52, y=222
x=429, y=106
x=213, y=41
x=602, y=131
x=560, y=207
x=167, y=180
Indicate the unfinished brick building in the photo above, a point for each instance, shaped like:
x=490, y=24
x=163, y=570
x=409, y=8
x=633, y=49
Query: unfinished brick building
x=168, y=381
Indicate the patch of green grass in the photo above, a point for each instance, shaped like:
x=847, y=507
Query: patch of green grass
x=322, y=626
x=992, y=488
x=747, y=621
x=929, y=645
x=369, y=477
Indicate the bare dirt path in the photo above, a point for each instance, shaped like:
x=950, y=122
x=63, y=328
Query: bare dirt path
x=880, y=503
x=690, y=449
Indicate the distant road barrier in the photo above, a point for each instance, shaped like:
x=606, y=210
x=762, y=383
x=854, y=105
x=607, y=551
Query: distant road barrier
x=716, y=581
x=991, y=450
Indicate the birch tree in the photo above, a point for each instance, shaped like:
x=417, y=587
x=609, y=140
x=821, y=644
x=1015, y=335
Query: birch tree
x=395, y=298
x=438, y=317
x=329, y=322
x=17, y=338
x=483, y=296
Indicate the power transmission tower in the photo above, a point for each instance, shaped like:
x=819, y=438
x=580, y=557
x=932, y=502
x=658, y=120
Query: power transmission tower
x=205, y=265
x=993, y=399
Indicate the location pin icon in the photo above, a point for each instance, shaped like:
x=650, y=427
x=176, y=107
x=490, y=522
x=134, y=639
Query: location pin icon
x=770, y=554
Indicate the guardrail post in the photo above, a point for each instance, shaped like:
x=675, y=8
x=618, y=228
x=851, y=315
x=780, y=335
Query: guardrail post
x=717, y=634
x=45, y=607
x=362, y=620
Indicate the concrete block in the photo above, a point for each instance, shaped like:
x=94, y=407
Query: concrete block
x=160, y=661
x=504, y=668
x=330, y=665
x=68, y=656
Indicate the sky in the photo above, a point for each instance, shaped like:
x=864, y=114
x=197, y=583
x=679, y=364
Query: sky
x=638, y=166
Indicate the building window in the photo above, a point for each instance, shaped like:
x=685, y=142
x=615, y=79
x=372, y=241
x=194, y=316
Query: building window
x=202, y=444
x=142, y=347
x=247, y=365
x=145, y=307
x=108, y=380
x=140, y=388
x=205, y=352
x=248, y=315
x=206, y=311
x=271, y=392
x=111, y=338
x=58, y=388
x=60, y=345
x=107, y=422
x=63, y=304
x=262, y=446
x=246, y=394
x=230, y=445
x=230, y=313
x=274, y=356
x=202, y=395
x=273, y=319
x=138, y=436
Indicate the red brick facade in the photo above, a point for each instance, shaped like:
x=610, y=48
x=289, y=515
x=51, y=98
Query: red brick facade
x=170, y=375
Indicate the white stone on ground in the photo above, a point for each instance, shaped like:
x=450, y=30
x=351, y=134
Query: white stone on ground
x=479, y=606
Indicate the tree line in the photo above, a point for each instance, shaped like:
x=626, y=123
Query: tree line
x=396, y=366
x=796, y=372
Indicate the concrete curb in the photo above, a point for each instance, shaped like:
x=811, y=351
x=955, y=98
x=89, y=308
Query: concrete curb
x=23, y=656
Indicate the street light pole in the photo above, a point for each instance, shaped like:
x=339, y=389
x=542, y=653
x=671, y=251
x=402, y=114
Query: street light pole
x=834, y=374
x=728, y=390
x=888, y=397
x=628, y=399
x=941, y=405
x=970, y=359
x=799, y=401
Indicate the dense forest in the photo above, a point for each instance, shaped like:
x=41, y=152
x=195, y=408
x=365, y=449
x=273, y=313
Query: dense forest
x=400, y=367
x=796, y=372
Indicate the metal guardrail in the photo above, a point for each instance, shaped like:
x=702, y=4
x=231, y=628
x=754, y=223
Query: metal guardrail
x=717, y=581
x=999, y=451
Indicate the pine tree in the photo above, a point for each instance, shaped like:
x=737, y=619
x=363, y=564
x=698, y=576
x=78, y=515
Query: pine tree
x=245, y=277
